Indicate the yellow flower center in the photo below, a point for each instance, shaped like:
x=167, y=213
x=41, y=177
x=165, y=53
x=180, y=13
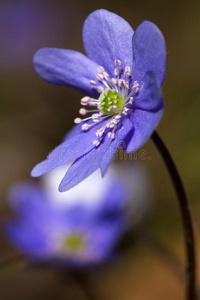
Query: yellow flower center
x=110, y=102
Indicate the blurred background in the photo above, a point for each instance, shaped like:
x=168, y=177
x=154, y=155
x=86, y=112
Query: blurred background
x=34, y=117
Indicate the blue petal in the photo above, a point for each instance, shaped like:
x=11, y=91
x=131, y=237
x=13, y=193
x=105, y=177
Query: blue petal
x=144, y=124
x=115, y=199
x=121, y=134
x=67, y=151
x=84, y=166
x=104, y=237
x=150, y=95
x=109, y=156
x=149, y=51
x=108, y=37
x=24, y=195
x=27, y=238
x=66, y=67
x=29, y=201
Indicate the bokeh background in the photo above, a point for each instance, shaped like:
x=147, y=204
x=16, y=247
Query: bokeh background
x=34, y=116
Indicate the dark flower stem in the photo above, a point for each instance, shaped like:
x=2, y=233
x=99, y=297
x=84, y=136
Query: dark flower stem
x=190, y=268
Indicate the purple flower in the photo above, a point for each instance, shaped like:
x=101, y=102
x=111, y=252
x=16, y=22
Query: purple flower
x=69, y=229
x=121, y=78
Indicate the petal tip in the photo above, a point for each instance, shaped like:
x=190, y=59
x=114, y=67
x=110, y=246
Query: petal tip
x=34, y=172
x=38, y=170
x=63, y=187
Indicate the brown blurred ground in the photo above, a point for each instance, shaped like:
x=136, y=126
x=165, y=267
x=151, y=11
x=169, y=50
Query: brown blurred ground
x=34, y=116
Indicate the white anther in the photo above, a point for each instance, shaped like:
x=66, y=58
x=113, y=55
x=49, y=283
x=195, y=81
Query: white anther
x=127, y=85
x=92, y=82
x=117, y=118
x=117, y=71
x=85, y=126
x=85, y=100
x=100, y=132
x=77, y=121
x=113, y=82
x=100, y=69
x=105, y=74
x=95, y=118
x=121, y=82
x=96, y=143
x=100, y=89
x=114, y=122
x=127, y=71
x=111, y=135
x=135, y=86
x=100, y=77
x=117, y=62
x=125, y=111
x=131, y=100
x=108, y=124
x=82, y=111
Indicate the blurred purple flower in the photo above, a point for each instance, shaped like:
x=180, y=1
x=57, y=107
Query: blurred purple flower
x=121, y=77
x=75, y=228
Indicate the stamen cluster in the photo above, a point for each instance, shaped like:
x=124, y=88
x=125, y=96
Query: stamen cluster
x=115, y=101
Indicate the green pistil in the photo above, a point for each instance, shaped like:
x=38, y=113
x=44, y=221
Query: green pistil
x=73, y=243
x=109, y=98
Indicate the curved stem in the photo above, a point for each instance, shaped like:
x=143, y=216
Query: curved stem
x=190, y=268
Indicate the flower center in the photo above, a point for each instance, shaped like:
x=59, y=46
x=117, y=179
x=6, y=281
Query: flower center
x=114, y=103
x=73, y=243
x=110, y=102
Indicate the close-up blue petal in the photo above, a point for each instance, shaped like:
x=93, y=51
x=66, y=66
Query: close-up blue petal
x=108, y=37
x=144, y=123
x=149, y=51
x=66, y=67
x=67, y=151
x=125, y=130
x=84, y=166
x=150, y=95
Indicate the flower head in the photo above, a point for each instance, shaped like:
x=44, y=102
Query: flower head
x=121, y=78
x=75, y=228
